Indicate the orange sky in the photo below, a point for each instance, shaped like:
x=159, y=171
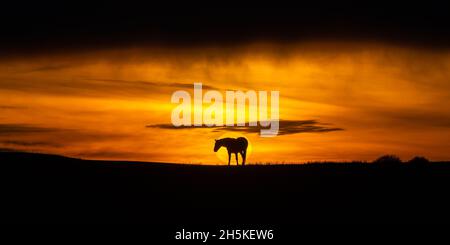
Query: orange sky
x=96, y=105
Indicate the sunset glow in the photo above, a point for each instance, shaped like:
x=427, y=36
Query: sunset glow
x=102, y=104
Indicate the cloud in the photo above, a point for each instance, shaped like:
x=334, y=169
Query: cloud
x=30, y=143
x=286, y=127
x=114, y=154
x=423, y=24
x=50, y=68
x=7, y=150
x=61, y=134
x=423, y=118
x=10, y=107
x=6, y=129
x=95, y=87
x=151, y=83
x=39, y=138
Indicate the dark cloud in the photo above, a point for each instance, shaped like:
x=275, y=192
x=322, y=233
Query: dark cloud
x=412, y=117
x=113, y=154
x=11, y=107
x=286, y=127
x=30, y=143
x=50, y=68
x=95, y=87
x=7, y=150
x=64, y=27
x=151, y=83
x=32, y=137
x=6, y=129
x=72, y=135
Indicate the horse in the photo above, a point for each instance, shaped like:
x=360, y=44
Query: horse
x=235, y=146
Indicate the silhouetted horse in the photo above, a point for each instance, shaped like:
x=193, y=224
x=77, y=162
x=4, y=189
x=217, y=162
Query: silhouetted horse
x=235, y=146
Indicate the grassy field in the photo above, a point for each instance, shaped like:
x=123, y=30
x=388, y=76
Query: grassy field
x=39, y=188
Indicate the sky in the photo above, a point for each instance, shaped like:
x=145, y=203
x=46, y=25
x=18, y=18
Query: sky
x=100, y=86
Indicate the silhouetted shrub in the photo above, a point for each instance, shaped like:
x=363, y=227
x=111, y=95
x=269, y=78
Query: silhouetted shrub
x=388, y=161
x=418, y=161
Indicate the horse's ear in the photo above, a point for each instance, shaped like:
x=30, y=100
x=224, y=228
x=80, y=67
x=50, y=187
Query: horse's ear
x=215, y=139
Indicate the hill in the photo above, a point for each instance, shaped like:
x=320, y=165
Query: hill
x=39, y=188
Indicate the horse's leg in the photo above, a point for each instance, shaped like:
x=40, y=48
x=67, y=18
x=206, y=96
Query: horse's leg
x=229, y=158
x=237, y=161
x=244, y=155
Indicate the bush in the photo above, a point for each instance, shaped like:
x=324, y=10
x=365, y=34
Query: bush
x=418, y=161
x=388, y=161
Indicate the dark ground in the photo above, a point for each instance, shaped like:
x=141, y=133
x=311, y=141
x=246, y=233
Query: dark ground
x=37, y=188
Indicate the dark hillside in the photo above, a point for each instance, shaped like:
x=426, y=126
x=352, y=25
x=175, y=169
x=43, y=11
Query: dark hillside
x=48, y=188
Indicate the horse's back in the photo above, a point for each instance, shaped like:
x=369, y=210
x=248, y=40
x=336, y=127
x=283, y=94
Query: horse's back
x=236, y=144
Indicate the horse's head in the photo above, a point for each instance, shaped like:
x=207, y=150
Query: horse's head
x=217, y=145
